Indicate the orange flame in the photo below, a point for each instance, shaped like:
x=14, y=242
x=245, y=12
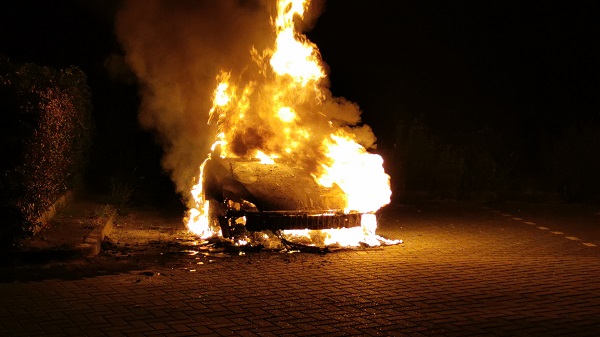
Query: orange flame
x=294, y=54
x=358, y=173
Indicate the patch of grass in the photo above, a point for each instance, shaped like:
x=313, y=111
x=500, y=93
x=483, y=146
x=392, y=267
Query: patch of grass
x=120, y=195
x=101, y=214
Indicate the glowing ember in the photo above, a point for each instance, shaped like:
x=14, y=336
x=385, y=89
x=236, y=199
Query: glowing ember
x=281, y=111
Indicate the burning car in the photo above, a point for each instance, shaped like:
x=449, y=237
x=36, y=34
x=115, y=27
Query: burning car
x=247, y=194
x=288, y=156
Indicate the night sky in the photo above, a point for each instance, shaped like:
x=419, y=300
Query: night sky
x=526, y=64
x=524, y=70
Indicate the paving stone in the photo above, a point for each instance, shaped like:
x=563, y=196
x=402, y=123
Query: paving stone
x=461, y=271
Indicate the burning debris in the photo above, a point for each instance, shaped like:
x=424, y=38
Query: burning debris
x=289, y=165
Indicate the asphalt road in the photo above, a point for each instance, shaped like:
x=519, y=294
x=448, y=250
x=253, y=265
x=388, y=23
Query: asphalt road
x=462, y=270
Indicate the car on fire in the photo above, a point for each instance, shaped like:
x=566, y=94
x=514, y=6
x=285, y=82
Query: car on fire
x=247, y=195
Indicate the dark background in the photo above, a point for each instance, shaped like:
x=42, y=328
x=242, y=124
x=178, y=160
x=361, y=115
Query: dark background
x=517, y=81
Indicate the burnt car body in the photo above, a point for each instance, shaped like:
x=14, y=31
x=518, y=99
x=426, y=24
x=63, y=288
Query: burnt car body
x=245, y=194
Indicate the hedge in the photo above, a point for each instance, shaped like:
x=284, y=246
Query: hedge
x=45, y=135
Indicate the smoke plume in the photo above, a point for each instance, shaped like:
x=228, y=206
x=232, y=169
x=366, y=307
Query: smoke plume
x=178, y=48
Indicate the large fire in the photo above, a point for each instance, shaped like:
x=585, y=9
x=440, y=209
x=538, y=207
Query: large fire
x=278, y=109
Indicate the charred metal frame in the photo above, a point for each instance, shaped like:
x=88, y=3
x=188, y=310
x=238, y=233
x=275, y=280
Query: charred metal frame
x=246, y=195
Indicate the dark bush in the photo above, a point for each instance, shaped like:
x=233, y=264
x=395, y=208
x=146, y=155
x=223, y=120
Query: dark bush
x=434, y=168
x=490, y=164
x=574, y=163
x=46, y=134
x=477, y=165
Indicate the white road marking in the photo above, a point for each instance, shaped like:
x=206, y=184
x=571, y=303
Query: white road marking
x=572, y=238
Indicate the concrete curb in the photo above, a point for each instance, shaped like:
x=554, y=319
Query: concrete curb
x=92, y=244
x=51, y=211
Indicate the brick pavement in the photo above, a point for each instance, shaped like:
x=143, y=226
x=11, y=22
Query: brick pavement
x=461, y=271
